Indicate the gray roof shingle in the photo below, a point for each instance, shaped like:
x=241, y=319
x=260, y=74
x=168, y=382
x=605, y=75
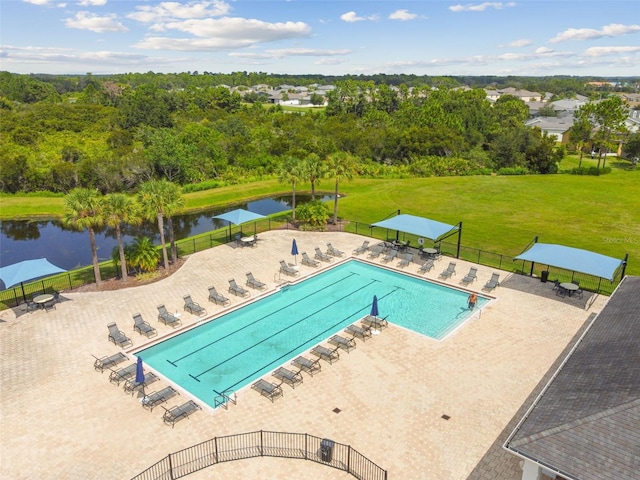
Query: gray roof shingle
x=586, y=424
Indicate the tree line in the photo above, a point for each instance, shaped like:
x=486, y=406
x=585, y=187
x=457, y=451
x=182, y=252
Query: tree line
x=118, y=132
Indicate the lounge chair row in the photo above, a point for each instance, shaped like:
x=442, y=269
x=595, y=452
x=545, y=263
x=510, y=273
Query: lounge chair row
x=293, y=378
x=127, y=375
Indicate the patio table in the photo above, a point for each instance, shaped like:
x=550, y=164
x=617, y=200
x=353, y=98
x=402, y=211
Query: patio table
x=41, y=299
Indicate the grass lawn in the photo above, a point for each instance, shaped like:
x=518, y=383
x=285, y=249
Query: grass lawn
x=500, y=214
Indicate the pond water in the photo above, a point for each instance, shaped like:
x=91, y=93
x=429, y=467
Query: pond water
x=24, y=240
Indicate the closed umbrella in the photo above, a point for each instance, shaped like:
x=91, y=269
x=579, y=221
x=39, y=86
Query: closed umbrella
x=374, y=307
x=139, y=371
x=294, y=250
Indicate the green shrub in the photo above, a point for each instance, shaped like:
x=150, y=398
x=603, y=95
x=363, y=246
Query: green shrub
x=314, y=214
x=590, y=171
x=206, y=185
x=513, y=171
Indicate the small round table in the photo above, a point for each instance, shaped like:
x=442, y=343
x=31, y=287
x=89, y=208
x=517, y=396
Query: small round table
x=41, y=299
x=430, y=252
x=569, y=287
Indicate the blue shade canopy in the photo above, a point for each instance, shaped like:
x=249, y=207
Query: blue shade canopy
x=420, y=226
x=571, y=258
x=27, y=270
x=374, y=307
x=239, y=216
x=294, y=247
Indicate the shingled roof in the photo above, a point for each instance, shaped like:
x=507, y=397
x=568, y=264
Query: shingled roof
x=586, y=423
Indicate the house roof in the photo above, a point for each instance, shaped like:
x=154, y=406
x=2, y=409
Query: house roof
x=586, y=423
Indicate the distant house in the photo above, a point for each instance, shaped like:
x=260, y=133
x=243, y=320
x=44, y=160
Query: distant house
x=632, y=123
x=557, y=127
x=524, y=95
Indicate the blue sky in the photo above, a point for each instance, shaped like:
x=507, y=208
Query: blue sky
x=531, y=37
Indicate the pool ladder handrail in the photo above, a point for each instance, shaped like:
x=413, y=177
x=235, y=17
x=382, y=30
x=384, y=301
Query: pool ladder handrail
x=224, y=398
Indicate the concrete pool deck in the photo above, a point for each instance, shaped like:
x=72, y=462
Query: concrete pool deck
x=60, y=418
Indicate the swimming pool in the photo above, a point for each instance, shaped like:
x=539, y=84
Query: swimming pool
x=237, y=348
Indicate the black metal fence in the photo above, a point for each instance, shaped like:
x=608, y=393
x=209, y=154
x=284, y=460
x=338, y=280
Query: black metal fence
x=262, y=443
x=15, y=296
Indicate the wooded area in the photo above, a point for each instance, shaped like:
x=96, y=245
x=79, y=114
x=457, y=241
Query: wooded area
x=113, y=133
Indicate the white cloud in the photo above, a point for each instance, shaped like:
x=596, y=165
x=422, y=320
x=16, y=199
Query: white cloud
x=351, y=17
x=291, y=52
x=37, y=2
x=175, y=11
x=602, y=51
x=92, y=3
x=523, y=42
x=611, y=30
x=402, y=15
x=224, y=33
x=328, y=61
x=95, y=23
x=480, y=7
x=61, y=5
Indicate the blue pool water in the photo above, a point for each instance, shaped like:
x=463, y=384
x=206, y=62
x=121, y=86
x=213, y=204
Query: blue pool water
x=234, y=350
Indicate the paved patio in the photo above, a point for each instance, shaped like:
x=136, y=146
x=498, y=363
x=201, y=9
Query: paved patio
x=62, y=419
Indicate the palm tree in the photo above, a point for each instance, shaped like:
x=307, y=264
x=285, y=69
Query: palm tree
x=290, y=171
x=313, y=169
x=83, y=210
x=118, y=209
x=342, y=166
x=160, y=199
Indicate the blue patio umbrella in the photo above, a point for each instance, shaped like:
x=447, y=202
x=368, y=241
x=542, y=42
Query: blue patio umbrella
x=27, y=270
x=294, y=250
x=374, y=307
x=139, y=371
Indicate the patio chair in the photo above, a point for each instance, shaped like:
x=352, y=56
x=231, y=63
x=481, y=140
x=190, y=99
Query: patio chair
x=579, y=291
x=304, y=364
x=361, y=332
x=393, y=253
x=426, y=266
x=157, y=398
x=122, y=374
x=164, y=316
x=254, y=282
x=494, y=282
x=174, y=414
x=362, y=248
x=405, y=261
x=268, y=389
x=32, y=306
x=346, y=344
x=376, y=251
x=322, y=256
x=471, y=276
x=449, y=271
x=334, y=252
x=193, y=307
x=142, y=327
x=287, y=376
x=326, y=354
x=117, y=337
x=131, y=386
x=376, y=323
x=100, y=364
x=217, y=298
x=287, y=270
x=307, y=260
x=237, y=289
